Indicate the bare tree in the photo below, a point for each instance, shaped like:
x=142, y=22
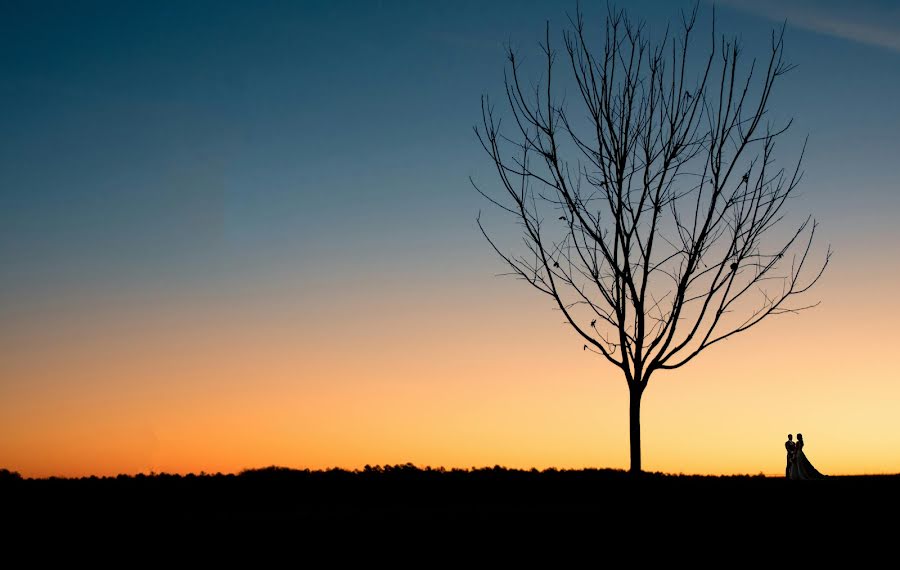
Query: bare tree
x=649, y=202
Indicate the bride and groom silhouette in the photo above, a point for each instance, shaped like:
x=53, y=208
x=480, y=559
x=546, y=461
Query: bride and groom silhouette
x=798, y=466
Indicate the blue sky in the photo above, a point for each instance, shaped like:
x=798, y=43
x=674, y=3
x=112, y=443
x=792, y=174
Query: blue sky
x=200, y=140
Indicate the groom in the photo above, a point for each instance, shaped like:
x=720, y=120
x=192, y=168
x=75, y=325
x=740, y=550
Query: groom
x=791, y=448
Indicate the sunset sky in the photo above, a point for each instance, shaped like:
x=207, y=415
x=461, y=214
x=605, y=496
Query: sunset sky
x=237, y=234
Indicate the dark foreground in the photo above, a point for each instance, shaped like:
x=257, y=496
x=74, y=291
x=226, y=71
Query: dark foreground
x=844, y=512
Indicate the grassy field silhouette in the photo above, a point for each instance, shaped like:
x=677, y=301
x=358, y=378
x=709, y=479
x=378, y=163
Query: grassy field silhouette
x=406, y=493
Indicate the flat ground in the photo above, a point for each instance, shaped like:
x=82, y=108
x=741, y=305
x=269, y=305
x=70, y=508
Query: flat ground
x=853, y=514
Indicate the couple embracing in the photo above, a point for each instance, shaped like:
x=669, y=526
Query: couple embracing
x=798, y=466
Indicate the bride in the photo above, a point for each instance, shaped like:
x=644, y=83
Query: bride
x=802, y=468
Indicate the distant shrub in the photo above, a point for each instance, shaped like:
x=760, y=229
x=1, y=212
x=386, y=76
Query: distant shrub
x=7, y=475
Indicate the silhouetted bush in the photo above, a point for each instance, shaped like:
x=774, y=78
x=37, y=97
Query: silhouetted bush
x=7, y=475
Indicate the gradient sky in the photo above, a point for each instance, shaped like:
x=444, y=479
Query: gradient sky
x=242, y=234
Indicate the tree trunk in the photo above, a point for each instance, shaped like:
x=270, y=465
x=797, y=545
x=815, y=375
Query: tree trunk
x=634, y=416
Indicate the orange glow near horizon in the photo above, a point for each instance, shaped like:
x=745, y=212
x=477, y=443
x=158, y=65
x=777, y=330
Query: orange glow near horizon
x=442, y=378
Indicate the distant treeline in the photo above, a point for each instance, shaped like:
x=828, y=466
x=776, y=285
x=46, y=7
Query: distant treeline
x=388, y=471
x=480, y=501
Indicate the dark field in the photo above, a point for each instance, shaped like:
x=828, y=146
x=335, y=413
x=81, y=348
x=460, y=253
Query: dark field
x=855, y=516
x=408, y=493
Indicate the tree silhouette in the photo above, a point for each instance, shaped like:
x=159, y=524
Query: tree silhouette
x=645, y=185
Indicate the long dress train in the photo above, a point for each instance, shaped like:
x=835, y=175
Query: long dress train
x=802, y=468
